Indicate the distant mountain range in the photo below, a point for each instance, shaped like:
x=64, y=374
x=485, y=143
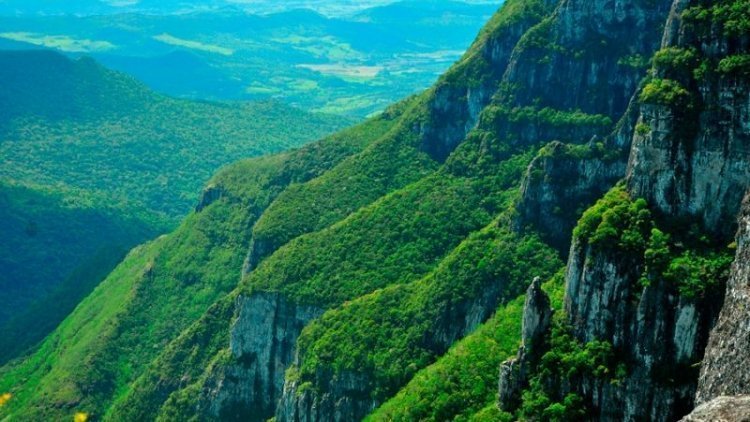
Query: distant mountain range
x=354, y=65
x=90, y=7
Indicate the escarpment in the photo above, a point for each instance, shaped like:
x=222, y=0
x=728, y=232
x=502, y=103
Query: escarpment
x=376, y=259
x=725, y=371
x=648, y=264
x=261, y=347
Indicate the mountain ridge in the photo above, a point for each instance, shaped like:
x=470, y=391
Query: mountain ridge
x=378, y=283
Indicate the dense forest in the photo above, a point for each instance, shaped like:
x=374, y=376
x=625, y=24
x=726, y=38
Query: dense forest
x=557, y=230
x=95, y=163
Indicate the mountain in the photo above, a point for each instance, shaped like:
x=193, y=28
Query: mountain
x=57, y=250
x=125, y=141
x=95, y=163
x=354, y=65
x=90, y=7
x=571, y=186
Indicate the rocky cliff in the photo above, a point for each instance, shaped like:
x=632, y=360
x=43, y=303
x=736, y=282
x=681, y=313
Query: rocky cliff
x=262, y=338
x=726, y=367
x=647, y=266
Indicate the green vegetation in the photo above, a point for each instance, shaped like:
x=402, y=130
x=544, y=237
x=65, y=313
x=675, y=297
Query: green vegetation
x=688, y=261
x=94, y=163
x=105, y=138
x=54, y=252
x=735, y=65
x=636, y=61
x=676, y=62
x=616, y=221
x=697, y=271
x=384, y=335
x=405, y=252
x=547, y=116
x=642, y=129
x=566, y=359
x=102, y=348
x=474, y=68
x=729, y=15
x=462, y=384
x=579, y=151
x=665, y=92
x=389, y=164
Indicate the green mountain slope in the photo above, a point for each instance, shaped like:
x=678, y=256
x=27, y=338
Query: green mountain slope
x=79, y=126
x=172, y=280
x=95, y=163
x=386, y=283
x=48, y=238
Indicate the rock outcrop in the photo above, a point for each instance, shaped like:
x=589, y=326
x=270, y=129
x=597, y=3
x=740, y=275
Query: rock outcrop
x=689, y=160
x=694, y=162
x=561, y=183
x=722, y=409
x=537, y=317
x=249, y=383
x=347, y=395
x=726, y=367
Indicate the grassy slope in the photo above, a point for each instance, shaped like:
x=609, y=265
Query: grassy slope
x=77, y=369
x=51, y=243
x=392, y=163
x=462, y=385
x=385, y=335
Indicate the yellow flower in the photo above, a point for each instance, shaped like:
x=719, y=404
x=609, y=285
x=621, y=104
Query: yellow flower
x=5, y=398
x=81, y=417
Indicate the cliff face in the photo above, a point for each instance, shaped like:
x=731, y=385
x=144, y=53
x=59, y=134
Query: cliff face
x=262, y=341
x=725, y=370
x=537, y=318
x=561, y=182
x=594, y=49
x=689, y=161
x=528, y=109
x=730, y=409
x=656, y=331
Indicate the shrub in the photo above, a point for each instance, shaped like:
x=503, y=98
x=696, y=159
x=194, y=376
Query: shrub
x=737, y=65
x=665, y=92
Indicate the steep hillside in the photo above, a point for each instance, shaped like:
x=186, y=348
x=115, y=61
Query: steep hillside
x=54, y=249
x=649, y=262
x=94, y=163
x=161, y=288
x=388, y=282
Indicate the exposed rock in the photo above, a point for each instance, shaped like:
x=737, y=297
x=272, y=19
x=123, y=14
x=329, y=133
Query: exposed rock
x=695, y=165
x=726, y=366
x=456, y=102
x=559, y=186
x=690, y=168
x=562, y=182
x=722, y=409
x=346, y=396
x=537, y=317
x=262, y=346
x=658, y=333
x=346, y=401
x=583, y=44
x=210, y=195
